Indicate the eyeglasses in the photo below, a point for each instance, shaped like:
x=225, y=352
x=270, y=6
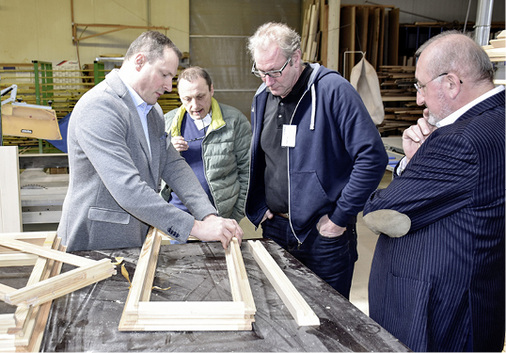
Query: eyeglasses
x=272, y=73
x=420, y=87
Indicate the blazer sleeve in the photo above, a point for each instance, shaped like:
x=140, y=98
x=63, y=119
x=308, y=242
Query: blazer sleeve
x=438, y=181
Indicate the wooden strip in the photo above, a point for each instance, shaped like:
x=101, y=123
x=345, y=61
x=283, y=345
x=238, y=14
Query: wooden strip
x=239, y=283
x=17, y=259
x=5, y=290
x=151, y=270
x=139, y=289
x=194, y=326
x=298, y=307
x=26, y=235
x=193, y=310
x=34, y=331
x=65, y=283
x=39, y=273
x=47, y=253
x=6, y=322
x=333, y=39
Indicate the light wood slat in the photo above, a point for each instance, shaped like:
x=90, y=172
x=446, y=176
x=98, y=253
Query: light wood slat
x=17, y=259
x=39, y=273
x=47, y=253
x=30, y=338
x=65, y=283
x=298, y=307
x=5, y=290
x=196, y=310
x=239, y=283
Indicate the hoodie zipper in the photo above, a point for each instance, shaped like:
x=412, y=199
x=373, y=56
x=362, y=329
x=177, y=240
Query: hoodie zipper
x=311, y=127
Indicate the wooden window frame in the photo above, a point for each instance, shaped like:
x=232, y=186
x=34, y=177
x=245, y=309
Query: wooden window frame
x=139, y=314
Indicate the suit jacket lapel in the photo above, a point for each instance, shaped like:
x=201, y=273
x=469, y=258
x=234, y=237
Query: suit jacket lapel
x=154, y=140
x=120, y=88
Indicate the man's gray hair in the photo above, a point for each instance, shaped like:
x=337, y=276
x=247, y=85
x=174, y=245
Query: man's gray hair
x=152, y=44
x=279, y=33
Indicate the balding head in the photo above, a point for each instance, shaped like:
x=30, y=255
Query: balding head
x=452, y=51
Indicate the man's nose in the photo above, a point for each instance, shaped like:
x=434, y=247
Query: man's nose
x=168, y=86
x=420, y=100
x=269, y=81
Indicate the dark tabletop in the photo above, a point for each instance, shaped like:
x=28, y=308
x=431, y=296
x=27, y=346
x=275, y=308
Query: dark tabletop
x=87, y=319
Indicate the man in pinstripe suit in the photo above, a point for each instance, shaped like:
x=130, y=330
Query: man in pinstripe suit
x=437, y=277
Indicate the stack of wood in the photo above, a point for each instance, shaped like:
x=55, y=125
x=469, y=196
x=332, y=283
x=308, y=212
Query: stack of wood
x=23, y=329
x=496, y=50
x=399, y=97
x=313, y=33
x=370, y=29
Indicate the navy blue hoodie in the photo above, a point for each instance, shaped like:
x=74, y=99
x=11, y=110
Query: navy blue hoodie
x=338, y=159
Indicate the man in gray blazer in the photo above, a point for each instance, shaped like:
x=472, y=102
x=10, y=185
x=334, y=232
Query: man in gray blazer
x=119, y=152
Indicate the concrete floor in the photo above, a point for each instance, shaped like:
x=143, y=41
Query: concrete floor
x=366, y=244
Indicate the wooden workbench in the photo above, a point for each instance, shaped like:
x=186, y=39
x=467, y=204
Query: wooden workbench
x=87, y=320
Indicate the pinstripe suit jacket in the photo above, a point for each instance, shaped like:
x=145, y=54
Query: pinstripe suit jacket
x=114, y=186
x=441, y=286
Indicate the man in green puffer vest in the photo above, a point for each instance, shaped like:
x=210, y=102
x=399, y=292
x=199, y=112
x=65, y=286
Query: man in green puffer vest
x=214, y=139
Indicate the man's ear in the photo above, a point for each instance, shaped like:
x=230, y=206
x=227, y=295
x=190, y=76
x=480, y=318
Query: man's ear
x=139, y=60
x=297, y=58
x=455, y=84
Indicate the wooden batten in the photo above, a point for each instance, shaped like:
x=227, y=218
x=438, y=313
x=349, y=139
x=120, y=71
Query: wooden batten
x=298, y=307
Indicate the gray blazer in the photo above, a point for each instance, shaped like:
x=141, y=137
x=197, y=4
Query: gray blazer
x=114, y=186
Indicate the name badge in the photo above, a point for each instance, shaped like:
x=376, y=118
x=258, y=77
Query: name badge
x=288, y=137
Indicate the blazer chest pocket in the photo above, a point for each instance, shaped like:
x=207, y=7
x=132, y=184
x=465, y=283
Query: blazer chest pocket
x=106, y=215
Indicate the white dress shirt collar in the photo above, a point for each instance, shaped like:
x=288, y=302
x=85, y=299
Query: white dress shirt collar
x=450, y=119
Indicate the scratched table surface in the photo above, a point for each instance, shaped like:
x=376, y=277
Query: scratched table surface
x=87, y=319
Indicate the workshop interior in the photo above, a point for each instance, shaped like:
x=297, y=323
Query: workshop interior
x=197, y=296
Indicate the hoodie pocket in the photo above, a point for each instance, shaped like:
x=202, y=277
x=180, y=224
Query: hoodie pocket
x=308, y=199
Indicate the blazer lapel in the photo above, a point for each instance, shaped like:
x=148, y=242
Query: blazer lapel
x=155, y=142
x=119, y=87
x=115, y=82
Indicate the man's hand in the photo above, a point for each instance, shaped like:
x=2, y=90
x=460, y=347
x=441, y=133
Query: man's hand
x=329, y=229
x=179, y=143
x=415, y=135
x=217, y=228
x=268, y=215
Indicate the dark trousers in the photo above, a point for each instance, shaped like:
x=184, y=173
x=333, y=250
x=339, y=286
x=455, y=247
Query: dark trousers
x=332, y=259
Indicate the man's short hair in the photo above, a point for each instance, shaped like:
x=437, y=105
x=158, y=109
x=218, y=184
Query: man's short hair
x=153, y=45
x=193, y=73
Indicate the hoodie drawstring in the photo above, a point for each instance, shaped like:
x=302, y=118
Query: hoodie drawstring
x=313, y=107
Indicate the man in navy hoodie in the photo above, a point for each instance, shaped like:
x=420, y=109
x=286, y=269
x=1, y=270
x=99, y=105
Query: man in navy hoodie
x=316, y=156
